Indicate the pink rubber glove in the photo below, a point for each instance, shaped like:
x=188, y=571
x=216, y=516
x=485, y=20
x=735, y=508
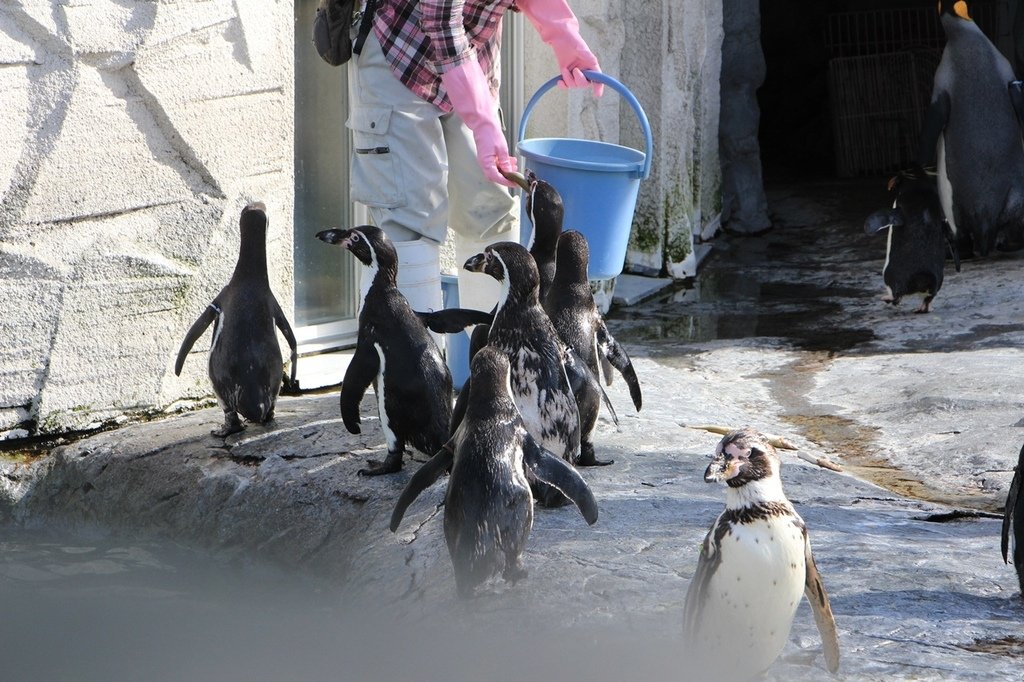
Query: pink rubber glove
x=472, y=100
x=558, y=27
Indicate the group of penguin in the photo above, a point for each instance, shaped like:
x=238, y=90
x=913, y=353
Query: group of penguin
x=526, y=417
x=973, y=199
x=965, y=194
x=521, y=425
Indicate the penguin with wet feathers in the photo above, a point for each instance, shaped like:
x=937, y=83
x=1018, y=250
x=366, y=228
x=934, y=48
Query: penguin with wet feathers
x=570, y=307
x=521, y=329
x=245, y=364
x=972, y=134
x=754, y=565
x=1013, y=515
x=395, y=353
x=488, y=507
x=915, y=256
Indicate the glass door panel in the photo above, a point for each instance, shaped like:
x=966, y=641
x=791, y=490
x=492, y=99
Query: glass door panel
x=326, y=289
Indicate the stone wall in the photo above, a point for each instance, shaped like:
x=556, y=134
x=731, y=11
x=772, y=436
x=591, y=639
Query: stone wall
x=668, y=53
x=134, y=132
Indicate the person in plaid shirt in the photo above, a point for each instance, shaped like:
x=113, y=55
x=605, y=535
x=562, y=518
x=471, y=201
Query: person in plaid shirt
x=428, y=143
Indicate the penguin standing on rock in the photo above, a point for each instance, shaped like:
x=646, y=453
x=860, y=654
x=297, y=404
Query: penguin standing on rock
x=754, y=564
x=488, y=508
x=396, y=354
x=245, y=363
x=571, y=308
x=523, y=332
x=972, y=130
x=915, y=254
x=1014, y=513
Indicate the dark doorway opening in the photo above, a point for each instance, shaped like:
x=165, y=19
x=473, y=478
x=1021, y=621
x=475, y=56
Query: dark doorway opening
x=848, y=81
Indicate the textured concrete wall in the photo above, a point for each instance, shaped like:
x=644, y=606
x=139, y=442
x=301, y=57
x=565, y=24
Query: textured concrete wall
x=133, y=134
x=668, y=53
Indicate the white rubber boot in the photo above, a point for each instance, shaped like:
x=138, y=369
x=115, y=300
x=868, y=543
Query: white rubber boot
x=419, y=276
x=419, y=273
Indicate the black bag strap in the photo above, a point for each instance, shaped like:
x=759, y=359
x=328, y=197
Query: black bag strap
x=364, y=25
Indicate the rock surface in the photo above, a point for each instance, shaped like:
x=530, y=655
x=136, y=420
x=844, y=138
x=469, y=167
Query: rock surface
x=785, y=334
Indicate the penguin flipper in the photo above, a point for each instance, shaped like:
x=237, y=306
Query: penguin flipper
x=947, y=232
x=194, y=332
x=616, y=355
x=814, y=590
x=555, y=471
x=1011, y=504
x=286, y=330
x=696, y=593
x=934, y=123
x=361, y=372
x=454, y=320
x=424, y=477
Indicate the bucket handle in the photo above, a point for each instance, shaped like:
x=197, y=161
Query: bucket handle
x=618, y=87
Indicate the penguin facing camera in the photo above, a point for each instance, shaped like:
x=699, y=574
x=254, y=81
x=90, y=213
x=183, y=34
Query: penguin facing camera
x=1013, y=514
x=754, y=564
x=973, y=136
x=245, y=365
x=571, y=308
x=915, y=255
x=488, y=507
x=395, y=353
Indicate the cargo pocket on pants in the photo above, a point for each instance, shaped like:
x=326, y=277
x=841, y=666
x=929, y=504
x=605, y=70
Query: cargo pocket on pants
x=375, y=176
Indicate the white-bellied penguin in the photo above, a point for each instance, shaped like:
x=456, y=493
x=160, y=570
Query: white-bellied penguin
x=973, y=136
x=571, y=309
x=915, y=255
x=1013, y=514
x=245, y=364
x=488, y=507
x=522, y=330
x=753, y=567
x=395, y=353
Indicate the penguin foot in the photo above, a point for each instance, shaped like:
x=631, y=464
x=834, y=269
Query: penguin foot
x=589, y=459
x=514, y=572
x=232, y=424
x=391, y=464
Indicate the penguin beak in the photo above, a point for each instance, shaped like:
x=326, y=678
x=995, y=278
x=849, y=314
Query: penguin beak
x=477, y=263
x=722, y=468
x=518, y=178
x=332, y=236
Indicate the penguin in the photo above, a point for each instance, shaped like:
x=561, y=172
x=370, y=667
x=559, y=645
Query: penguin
x=545, y=208
x=1013, y=514
x=754, y=564
x=915, y=254
x=971, y=129
x=396, y=353
x=571, y=309
x=546, y=211
x=245, y=365
x=521, y=329
x=488, y=507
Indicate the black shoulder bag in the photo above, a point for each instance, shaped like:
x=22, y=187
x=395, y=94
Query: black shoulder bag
x=331, y=27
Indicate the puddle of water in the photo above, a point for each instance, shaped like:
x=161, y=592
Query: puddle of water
x=853, y=444
x=721, y=306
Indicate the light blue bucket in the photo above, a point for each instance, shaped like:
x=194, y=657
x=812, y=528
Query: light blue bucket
x=457, y=345
x=598, y=181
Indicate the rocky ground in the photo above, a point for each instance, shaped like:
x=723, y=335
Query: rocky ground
x=786, y=333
